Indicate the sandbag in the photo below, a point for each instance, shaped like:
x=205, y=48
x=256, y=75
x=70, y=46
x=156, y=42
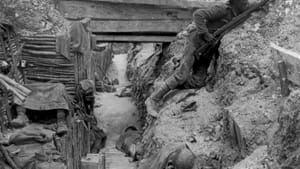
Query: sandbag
x=29, y=156
x=46, y=96
x=29, y=135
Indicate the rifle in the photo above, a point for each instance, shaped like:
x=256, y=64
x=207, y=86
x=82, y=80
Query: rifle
x=236, y=21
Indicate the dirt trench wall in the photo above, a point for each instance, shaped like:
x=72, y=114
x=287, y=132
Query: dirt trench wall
x=141, y=71
x=247, y=89
x=190, y=116
x=248, y=83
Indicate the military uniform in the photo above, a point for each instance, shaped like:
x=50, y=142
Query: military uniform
x=207, y=21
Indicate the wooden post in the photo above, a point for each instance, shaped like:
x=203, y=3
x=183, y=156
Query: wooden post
x=288, y=66
x=103, y=160
x=283, y=78
x=235, y=134
x=89, y=138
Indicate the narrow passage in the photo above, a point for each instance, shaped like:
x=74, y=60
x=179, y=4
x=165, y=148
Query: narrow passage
x=114, y=114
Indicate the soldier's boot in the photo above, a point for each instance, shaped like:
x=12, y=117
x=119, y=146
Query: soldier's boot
x=152, y=102
x=61, y=122
x=20, y=121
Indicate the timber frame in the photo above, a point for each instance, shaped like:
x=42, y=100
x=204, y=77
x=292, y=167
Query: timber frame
x=132, y=20
x=129, y=21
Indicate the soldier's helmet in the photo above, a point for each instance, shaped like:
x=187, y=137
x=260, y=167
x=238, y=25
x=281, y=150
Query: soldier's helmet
x=239, y=5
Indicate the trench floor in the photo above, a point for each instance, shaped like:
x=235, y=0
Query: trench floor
x=114, y=114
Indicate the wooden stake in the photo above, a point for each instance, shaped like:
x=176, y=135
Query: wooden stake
x=283, y=78
x=103, y=160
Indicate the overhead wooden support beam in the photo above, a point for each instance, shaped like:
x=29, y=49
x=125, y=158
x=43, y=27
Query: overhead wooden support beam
x=177, y=3
x=131, y=38
x=201, y=4
x=123, y=17
x=163, y=26
x=120, y=11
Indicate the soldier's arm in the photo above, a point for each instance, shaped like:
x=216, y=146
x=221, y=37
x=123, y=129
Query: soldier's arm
x=202, y=16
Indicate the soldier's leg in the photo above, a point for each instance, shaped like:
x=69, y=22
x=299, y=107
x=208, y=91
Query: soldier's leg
x=179, y=77
x=21, y=119
x=211, y=73
x=61, y=122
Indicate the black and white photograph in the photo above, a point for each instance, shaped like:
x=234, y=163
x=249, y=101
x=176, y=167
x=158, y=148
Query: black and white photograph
x=149, y=84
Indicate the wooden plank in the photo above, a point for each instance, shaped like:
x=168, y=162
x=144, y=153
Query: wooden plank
x=283, y=78
x=39, y=47
x=292, y=62
x=40, y=42
x=110, y=11
x=48, y=39
x=137, y=26
x=200, y=4
x=41, y=36
x=131, y=38
x=175, y=3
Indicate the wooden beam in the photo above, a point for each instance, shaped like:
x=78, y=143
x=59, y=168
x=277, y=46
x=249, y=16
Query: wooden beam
x=137, y=26
x=201, y=4
x=177, y=3
x=291, y=60
x=76, y=10
x=132, y=38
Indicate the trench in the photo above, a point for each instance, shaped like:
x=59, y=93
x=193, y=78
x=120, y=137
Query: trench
x=114, y=114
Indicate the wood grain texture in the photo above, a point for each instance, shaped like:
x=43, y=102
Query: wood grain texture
x=137, y=26
x=44, y=64
x=123, y=17
x=120, y=11
x=175, y=3
x=132, y=38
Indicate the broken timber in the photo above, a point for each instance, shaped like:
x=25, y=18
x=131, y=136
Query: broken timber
x=291, y=63
x=126, y=21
